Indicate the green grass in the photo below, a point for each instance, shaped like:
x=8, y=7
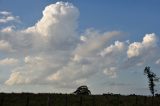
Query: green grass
x=20, y=99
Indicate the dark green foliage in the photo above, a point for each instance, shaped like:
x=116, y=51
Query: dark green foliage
x=77, y=100
x=152, y=78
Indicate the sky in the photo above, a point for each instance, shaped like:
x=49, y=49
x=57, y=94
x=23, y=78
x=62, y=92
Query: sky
x=57, y=46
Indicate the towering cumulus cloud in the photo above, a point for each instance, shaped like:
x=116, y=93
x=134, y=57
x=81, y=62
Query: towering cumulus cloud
x=53, y=52
x=58, y=24
x=46, y=46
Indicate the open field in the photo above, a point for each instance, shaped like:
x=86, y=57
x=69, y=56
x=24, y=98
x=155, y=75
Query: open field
x=28, y=99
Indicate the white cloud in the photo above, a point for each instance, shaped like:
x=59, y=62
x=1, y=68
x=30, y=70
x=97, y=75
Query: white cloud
x=5, y=13
x=16, y=78
x=58, y=23
x=111, y=72
x=53, y=52
x=6, y=17
x=73, y=73
x=8, y=61
x=32, y=60
x=57, y=27
x=8, y=29
x=116, y=48
x=134, y=49
x=33, y=70
x=95, y=41
x=138, y=48
x=83, y=38
x=84, y=63
x=150, y=40
x=5, y=46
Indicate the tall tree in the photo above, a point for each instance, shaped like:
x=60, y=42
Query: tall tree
x=152, y=78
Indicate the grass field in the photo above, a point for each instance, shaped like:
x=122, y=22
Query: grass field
x=29, y=99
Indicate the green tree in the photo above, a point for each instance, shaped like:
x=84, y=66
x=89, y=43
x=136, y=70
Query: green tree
x=152, y=78
x=82, y=90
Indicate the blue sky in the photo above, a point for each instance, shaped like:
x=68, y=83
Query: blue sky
x=137, y=17
x=107, y=42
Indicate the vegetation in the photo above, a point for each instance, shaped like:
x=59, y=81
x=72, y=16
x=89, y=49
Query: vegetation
x=82, y=90
x=152, y=78
x=28, y=99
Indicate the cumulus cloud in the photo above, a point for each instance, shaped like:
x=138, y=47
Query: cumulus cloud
x=116, y=48
x=58, y=25
x=53, y=52
x=53, y=41
x=8, y=61
x=111, y=72
x=6, y=17
x=5, y=46
x=17, y=78
x=94, y=41
x=138, y=48
x=33, y=69
x=8, y=29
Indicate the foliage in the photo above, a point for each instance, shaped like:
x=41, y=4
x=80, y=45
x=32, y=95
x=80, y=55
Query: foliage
x=41, y=99
x=82, y=90
x=152, y=78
